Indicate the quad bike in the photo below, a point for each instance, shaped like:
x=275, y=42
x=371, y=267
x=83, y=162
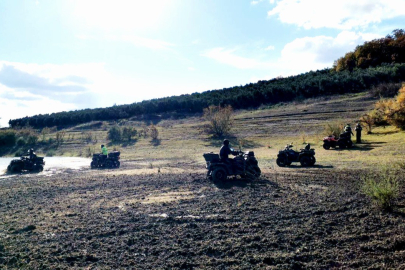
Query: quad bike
x=106, y=161
x=287, y=156
x=35, y=164
x=344, y=141
x=244, y=164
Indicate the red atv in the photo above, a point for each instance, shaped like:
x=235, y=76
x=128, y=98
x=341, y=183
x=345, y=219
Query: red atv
x=344, y=141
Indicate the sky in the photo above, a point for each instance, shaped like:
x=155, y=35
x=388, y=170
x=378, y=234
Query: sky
x=62, y=55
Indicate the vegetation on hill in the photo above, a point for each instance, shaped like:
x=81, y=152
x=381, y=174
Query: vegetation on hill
x=384, y=63
x=390, y=49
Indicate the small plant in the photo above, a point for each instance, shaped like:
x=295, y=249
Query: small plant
x=60, y=137
x=89, y=151
x=382, y=188
x=220, y=119
x=154, y=133
x=304, y=137
x=114, y=134
x=128, y=133
x=334, y=128
x=21, y=142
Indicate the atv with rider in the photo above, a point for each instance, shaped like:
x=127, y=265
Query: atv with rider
x=343, y=141
x=305, y=156
x=244, y=164
x=32, y=163
x=106, y=161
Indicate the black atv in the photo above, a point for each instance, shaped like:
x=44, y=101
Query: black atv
x=106, y=161
x=35, y=164
x=244, y=164
x=287, y=156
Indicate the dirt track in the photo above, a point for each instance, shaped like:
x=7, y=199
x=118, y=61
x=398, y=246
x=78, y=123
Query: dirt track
x=295, y=218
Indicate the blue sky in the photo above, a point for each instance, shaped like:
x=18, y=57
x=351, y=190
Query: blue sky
x=67, y=55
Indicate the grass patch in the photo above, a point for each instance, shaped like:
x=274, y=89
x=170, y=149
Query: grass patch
x=382, y=188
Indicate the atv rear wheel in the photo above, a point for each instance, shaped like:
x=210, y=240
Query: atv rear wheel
x=219, y=174
x=305, y=161
x=39, y=168
x=342, y=145
x=326, y=146
x=117, y=164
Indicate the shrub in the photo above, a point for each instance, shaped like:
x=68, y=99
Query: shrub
x=21, y=141
x=334, y=128
x=128, y=133
x=32, y=139
x=60, y=136
x=385, y=90
x=220, y=119
x=154, y=133
x=7, y=138
x=392, y=110
x=45, y=131
x=114, y=134
x=382, y=188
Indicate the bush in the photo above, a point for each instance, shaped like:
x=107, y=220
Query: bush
x=220, y=119
x=114, y=134
x=393, y=110
x=7, y=138
x=32, y=139
x=385, y=90
x=382, y=188
x=154, y=133
x=128, y=133
x=334, y=128
x=21, y=142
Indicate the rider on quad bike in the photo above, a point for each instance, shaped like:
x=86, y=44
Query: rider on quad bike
x=225, y=151
x=219, y=167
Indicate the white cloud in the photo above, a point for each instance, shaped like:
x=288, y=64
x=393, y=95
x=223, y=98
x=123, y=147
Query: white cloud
x=343, y=14
x=125, y=15
x=255, y=2
x=229, y=57
x=269, y=48
x=145, y=42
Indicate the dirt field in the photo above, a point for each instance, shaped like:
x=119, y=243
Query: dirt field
x=162, y=213
x=99, y=220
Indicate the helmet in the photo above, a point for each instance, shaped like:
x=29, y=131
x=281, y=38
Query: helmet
x=102, y=145
x=226, y=142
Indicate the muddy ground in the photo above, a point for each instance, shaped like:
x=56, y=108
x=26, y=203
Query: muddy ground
x=292, y=218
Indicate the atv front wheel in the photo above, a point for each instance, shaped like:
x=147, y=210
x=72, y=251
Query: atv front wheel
x=93, y=165
x=282, y=161
x=219, y=174
x=313, y=160
x=108, y=164
x=16, y=168
x=117, y=164
x=305, y=161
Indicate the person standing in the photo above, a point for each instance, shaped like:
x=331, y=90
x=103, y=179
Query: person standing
x=358, y=129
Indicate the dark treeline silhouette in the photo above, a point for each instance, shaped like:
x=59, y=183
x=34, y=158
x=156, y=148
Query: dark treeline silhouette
x=390, y=49
x=310, y=84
